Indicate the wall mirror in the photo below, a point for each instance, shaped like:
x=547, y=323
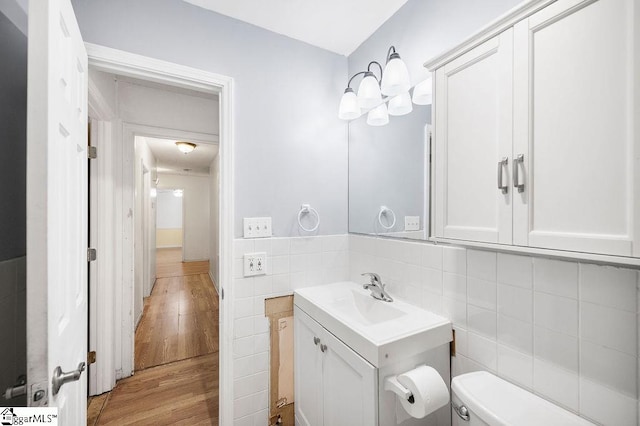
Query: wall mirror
x=389, y=175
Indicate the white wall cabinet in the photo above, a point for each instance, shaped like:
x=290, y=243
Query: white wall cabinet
x=333, y=384
x=554, y=91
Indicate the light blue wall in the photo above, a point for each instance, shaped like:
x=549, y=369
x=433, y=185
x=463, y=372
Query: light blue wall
x=290, y=146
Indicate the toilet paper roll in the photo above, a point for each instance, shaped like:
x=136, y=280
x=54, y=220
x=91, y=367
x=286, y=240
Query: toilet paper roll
x=428, y=389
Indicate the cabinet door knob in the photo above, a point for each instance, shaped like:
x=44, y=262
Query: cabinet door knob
x=501, y=164
x=316, y=340
x=323, y=347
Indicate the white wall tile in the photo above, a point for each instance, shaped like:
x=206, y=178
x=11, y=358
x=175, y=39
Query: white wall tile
x=243, y=387
x=454, y=286
x=515, y=302
x=335, y=259
x=335, y=243
x=556, y=313
x=243, y=407
x=483, y=350
x=515, y=333
x=609, y=327
x=454, y=260
x=482, y=293
x=456, y=311
x=243, y=287
x=557, y=384
x=279, y=265
x=261, y=343
x=482, y=265
x=243, y=307
x=243, y=347
x=432, y=256
x=281, y=284
x=243, y=327
x=556, y=277
x=433, y=280
x=556, y=348
x=280, y=246
x=241, y=246
x=261, y=418
x=609, y=367
x=243, y=367
x=606, y=406
x=482, y=321
x=262, y=285
x=260, y=324
x=515, y=366
x=609, y=286
x=432, y=302
x=515, y=270
x=258, y=305
x=263, y=245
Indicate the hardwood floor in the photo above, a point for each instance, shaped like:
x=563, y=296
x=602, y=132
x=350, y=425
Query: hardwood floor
x=180, y=393
x=176, y=353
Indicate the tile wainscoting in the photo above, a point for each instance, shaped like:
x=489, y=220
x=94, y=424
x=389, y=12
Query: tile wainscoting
x=292, y=263
x=568, y=331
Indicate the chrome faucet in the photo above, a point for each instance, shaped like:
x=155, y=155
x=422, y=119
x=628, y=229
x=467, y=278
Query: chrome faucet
x=376, y=287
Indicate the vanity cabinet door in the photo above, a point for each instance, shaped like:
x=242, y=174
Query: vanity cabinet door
x=308, y=370
x=575, y=109
x=350, y=391
x=473, y=143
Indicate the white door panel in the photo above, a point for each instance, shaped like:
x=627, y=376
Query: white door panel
x=573, y=122
x=57, y=207
x=308, y=370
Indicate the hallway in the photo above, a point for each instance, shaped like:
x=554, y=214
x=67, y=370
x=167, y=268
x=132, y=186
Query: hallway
x=176, y=353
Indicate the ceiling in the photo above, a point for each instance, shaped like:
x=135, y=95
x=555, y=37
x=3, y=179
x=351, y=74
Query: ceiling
x=170, y=160
x=336, y=25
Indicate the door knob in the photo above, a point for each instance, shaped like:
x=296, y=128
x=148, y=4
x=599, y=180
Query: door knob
x=60, y=377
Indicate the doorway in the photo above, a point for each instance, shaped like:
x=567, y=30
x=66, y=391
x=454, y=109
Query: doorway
x=151, y=175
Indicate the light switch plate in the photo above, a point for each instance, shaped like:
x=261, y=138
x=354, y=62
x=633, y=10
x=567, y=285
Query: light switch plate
x=255, y=264
x=412, y=223
x=257, y=227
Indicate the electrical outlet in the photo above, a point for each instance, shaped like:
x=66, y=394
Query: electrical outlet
x=412, y=223
x=255, y=264
x=257, y=227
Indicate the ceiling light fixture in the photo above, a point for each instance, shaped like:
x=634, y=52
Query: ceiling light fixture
x=373, y=92
x=185, y=147
x=177, y=193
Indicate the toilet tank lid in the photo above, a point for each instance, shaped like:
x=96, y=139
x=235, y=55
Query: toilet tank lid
x=498, y=402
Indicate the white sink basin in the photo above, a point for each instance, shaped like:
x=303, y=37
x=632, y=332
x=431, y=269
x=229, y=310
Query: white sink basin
x=381, y=332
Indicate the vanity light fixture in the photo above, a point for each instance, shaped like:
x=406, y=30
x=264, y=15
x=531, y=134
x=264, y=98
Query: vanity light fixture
x=423, y=92
x=374, y=93
x=185, y=147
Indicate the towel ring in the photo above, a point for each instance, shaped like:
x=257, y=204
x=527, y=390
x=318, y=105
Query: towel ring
x=384, y=210
x=306, y=209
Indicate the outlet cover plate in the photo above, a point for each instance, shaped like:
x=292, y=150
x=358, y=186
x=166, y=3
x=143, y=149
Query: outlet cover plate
x=412, y=223
x=257, y=227
x=255, y=264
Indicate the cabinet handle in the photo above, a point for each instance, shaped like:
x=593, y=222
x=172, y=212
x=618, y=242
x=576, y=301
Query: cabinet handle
x=516, y=175
x=502, y=163
x=323, y=347
x=316, y=340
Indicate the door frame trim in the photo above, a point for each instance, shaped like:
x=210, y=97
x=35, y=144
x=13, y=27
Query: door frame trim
x=128, y=64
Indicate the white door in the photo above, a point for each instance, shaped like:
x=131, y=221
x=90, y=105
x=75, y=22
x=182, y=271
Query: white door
x=473, y=143
x=56, y=208
x=574, y=116
x=350, y=385
x=307, y=369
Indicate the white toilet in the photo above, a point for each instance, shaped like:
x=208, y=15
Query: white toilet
x=480, y=398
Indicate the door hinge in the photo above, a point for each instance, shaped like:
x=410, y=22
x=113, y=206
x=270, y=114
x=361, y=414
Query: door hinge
x=92, y=152
x=91, y=254
x=91, y=357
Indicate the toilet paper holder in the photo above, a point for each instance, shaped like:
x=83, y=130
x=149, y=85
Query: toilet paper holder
x=392, y=384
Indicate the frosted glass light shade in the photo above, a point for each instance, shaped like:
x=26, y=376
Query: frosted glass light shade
x=395, y=78
x=378, y=116
x=423, y=92
x=349, y=108
x=177, y=193
x=401, y=104
x=369, y=94
x=185, y=147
